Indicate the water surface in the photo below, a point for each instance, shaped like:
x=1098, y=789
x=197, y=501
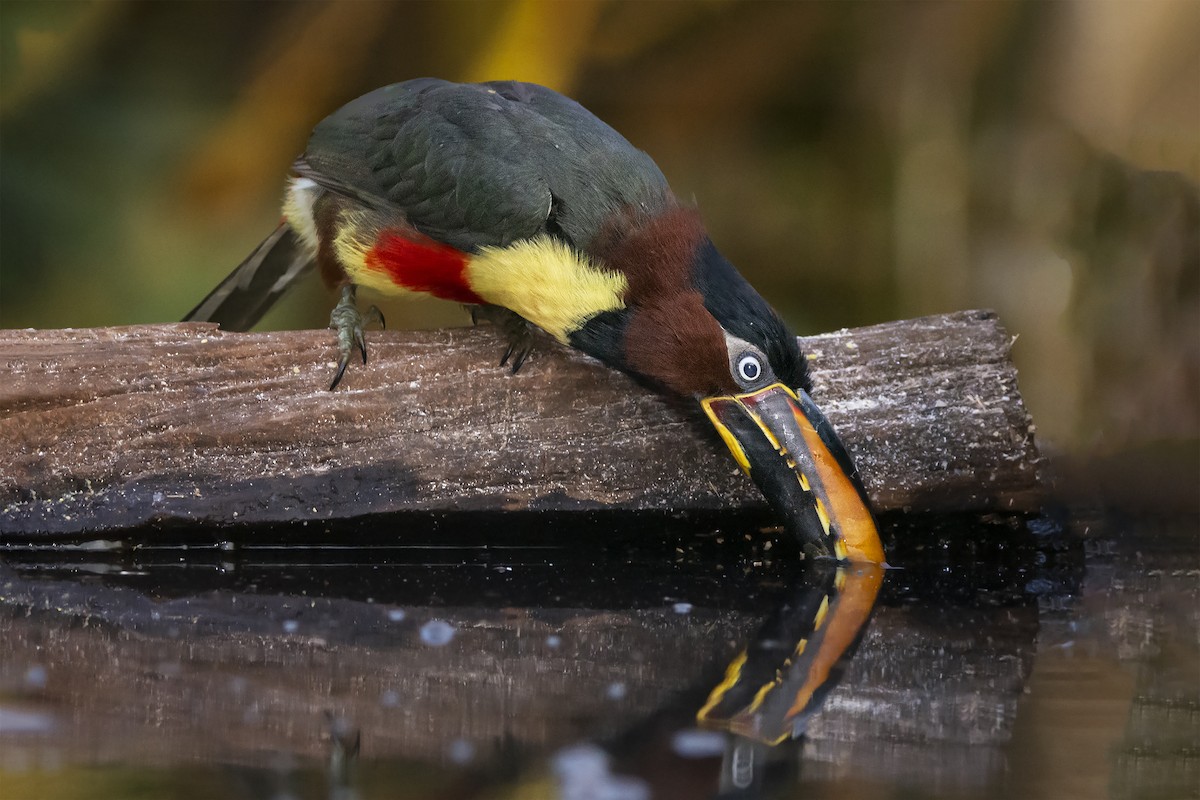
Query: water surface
x=568, y=657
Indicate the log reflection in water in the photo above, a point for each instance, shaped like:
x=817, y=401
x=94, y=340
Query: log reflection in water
x=151, y=666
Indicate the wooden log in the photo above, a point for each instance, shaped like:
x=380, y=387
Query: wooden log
x=112, y=429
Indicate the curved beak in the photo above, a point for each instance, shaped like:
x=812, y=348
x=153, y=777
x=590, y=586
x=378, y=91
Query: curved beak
x=791, y=452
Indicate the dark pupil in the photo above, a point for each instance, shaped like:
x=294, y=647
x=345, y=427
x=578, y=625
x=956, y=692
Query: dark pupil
x=749, y=369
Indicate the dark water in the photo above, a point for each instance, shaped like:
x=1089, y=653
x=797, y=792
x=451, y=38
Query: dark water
x=567, y=658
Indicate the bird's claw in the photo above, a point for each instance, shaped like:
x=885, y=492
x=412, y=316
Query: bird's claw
x=518, y=351
x=349, y=323
x=516, y=329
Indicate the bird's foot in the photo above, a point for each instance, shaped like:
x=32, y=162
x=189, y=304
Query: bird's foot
x=349, y=322
x=516, y=329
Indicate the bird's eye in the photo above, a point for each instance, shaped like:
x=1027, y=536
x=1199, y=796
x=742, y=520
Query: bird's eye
x=749, y=368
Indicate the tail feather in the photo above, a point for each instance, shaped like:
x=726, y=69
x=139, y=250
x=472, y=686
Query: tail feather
x=252, y=288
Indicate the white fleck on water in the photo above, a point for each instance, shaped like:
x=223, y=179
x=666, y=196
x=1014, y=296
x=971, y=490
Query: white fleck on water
x=682, y=608
x=13, y=721
x=396, y=614
x=695, y=743
x=616, y=690
x=461, y=752
x=390, y=698
x=437, y=632
x=35, y=677
x=553, y=641
x=583, y=773
x=291, y=626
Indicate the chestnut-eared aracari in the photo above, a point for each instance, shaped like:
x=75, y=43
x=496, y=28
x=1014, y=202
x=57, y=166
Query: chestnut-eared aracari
x=518, y=202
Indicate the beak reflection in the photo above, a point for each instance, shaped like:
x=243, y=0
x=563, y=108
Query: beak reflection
x=787, y=446
x=780, y=681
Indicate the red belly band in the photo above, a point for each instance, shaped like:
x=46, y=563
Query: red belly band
x=420, y=264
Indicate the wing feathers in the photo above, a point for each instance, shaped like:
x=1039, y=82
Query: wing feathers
x=252, y=288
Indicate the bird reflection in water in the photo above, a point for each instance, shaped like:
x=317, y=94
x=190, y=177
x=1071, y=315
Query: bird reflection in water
x=780, y=680
x=738, y=738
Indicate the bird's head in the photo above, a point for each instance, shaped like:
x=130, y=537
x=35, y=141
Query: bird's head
x=691, y=326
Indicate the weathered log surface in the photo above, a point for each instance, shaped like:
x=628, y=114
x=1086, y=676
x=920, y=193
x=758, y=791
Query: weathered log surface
x=116, y=428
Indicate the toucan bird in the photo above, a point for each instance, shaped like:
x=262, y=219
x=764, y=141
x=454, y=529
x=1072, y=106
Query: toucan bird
x=518, y=202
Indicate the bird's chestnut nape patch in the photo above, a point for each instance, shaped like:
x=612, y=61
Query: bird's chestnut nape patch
x=655, y=252
x=676, y=344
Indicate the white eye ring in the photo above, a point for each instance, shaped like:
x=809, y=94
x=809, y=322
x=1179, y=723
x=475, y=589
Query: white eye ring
x=749, y=368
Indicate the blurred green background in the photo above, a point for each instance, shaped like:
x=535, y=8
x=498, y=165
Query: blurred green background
x=859, y=161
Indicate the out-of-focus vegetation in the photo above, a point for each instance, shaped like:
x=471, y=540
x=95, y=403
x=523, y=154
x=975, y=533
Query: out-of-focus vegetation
x=859, y=161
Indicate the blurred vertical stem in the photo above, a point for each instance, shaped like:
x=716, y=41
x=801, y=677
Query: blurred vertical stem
x=318, y=49
x=525, y=48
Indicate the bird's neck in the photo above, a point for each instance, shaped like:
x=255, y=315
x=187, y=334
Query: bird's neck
x=655, y=251
x=640, y=258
